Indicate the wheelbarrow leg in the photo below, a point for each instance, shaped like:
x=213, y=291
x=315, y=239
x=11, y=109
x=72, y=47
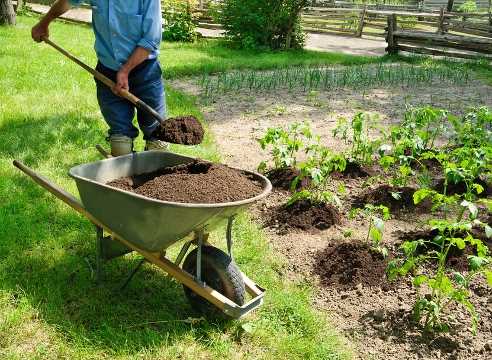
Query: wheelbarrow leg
x=230, y=220
x=99, y=253
x=132, y=274
x=199, y=235
x=182, y=252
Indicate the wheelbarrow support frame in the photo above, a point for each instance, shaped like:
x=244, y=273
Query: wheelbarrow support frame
x=157, y=258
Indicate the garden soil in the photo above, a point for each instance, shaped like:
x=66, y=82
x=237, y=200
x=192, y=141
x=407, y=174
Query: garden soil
x=196, y=182
x=304, y=215
x=185, y=130
x=349, y=282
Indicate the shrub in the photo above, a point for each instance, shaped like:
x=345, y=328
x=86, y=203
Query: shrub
x=468, y=6
x=179, y=24
x=254, y=24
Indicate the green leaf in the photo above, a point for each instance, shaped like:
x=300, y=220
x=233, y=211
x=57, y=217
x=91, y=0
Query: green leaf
x=396, y=195
x=375, y=235
x=459, y=242
x=419, y=280
x=472, y=208
x=478, y=188
x=488, y=276
x=460, y=279
x=378, y=224
x=488, y=231
x=476, y=262
x=420, y=195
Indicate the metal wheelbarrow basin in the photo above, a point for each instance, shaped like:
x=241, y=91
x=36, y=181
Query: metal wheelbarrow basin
x=127, y=222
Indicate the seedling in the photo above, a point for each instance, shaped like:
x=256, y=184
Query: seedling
x=317, y=168
x=445, y=285
x=285, y=145
x=376, y=215
x=356, y=133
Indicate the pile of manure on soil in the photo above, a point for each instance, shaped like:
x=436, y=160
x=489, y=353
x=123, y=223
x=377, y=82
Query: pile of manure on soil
x=185, y=130
x=306, y=216
x=457, y=259
x=460, y=187
x=347, y=264
x=196, y=182
x=282, y=178
x=353, y=170
x=396, y=199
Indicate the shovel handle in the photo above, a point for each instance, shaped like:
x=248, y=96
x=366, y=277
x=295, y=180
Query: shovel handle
x=108, y=82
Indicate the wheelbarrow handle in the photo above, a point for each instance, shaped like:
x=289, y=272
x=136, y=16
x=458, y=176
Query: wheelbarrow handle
x=108, y=82
x=61, y=194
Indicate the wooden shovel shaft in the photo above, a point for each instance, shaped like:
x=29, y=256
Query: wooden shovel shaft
x=108, y=82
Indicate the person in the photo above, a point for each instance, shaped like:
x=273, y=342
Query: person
x=128, y=35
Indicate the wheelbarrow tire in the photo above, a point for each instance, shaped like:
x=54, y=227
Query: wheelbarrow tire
x=220, y=273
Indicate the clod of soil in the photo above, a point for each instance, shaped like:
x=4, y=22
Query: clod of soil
x=282, y=178
x=196, y=182
x=394, y=198
x=348, y=264
x=185, y=130
x=306, y=216
x=353, y=170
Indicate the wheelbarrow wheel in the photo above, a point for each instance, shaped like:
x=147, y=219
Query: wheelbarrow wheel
x=221, y=274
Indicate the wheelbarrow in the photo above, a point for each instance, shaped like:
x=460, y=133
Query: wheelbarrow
x=127, y=222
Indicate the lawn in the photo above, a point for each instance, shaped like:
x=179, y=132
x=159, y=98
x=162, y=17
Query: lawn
x=50, y=307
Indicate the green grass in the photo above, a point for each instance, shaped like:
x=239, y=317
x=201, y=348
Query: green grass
x=50, y=307
x=211, y=56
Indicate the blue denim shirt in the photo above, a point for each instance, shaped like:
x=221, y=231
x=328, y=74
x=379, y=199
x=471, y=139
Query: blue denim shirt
x=122, y=25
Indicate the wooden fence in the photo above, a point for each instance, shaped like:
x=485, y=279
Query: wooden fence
x=372, y=22
x=357, y=22
x=440, y=43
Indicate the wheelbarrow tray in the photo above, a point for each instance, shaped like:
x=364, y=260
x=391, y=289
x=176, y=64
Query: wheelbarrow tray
x=150, y=224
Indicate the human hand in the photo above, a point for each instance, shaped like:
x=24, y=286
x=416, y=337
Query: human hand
x=121, y=81
x=39, y=31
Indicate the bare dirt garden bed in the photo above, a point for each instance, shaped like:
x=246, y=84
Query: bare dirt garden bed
x=350, y=278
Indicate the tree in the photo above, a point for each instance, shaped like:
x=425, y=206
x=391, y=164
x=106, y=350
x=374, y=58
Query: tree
x=7, y=13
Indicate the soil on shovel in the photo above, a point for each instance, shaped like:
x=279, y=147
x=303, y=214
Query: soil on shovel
x=306, y=216
x=196, y=182
x=185, y=130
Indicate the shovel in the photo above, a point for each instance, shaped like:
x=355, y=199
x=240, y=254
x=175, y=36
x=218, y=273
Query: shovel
x=185, y=130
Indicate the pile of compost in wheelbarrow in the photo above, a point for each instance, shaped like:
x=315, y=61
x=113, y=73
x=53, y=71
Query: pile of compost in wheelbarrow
x=197, y=182
x=185, y=130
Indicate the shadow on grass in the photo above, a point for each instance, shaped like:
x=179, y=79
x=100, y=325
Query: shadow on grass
x=46, y=249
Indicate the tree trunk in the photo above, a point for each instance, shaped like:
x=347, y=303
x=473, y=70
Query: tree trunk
x=450, y=5
x=19, y=6
x=7, y=13
x=296, y=11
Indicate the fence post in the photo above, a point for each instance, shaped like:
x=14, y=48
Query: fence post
x=440, y=22
x=490, y=12
x=392, y=47
x=361, y=21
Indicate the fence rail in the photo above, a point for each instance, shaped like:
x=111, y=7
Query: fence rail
x=440, y=43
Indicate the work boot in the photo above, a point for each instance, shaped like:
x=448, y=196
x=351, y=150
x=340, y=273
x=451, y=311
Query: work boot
x=120, y=145
x=156, y=144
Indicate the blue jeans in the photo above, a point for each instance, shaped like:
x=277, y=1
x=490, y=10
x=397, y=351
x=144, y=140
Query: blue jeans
x=145, y=82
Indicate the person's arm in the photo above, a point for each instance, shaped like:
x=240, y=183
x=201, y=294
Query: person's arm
x=137, y=57
x=150, y=41
x=41, y=30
